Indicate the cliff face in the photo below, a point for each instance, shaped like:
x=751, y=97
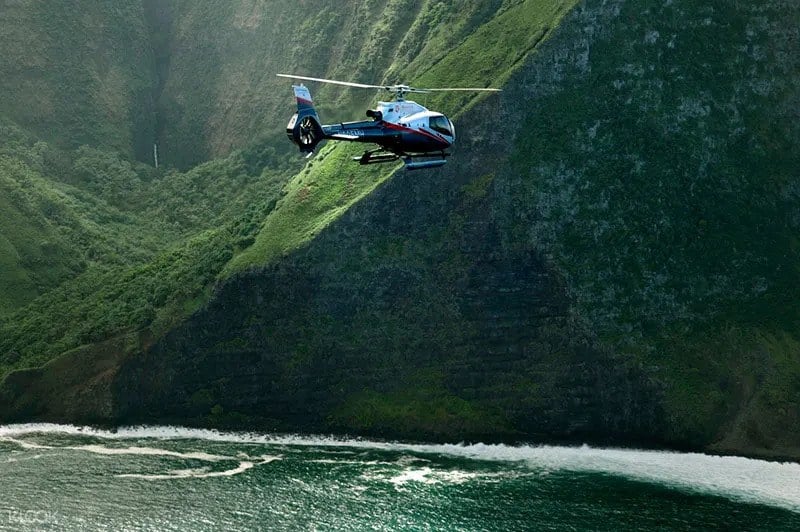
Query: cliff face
x=610, y=255
x=408, y=317
x=576, y=271
x=79, y=73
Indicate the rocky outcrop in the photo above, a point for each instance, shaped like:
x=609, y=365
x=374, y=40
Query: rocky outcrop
x=75, y=388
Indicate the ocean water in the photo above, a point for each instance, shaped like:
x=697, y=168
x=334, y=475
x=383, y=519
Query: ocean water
x=57, y=477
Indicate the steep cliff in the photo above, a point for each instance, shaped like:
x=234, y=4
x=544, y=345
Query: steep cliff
x=79, y=73
x=610, y=255
x=611, y=260
x=407, y=317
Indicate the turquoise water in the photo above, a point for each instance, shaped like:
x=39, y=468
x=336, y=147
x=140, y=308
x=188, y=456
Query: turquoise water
x=55, y=477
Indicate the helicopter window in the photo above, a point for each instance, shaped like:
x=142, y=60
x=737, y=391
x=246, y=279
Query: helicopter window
x=441, y=124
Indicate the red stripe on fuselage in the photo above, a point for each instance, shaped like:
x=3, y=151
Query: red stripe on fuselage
x=303, y=100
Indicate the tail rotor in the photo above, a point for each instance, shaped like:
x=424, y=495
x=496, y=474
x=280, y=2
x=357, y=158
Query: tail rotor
x=308, y=134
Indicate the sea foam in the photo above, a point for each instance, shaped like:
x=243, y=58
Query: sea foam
x=745, y=479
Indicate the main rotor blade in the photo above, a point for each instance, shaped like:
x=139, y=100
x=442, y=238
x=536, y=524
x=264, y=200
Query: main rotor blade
x=462, y=89
x=392, y=88
x=335, y=82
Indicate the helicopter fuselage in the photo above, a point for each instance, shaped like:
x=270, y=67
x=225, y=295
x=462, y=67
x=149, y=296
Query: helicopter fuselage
x=420, y=131
x=402, y=128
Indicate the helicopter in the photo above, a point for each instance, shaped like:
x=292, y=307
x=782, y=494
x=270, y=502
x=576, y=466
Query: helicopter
x=402, y=129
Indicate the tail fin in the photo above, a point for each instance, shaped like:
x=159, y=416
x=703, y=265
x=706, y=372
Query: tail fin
x=304, y=103
x=304, y=129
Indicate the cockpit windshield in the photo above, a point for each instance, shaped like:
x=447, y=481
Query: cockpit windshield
x=442, y=125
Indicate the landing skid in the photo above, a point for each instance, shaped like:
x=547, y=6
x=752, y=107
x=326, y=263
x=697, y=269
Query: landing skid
x=376, y=156
x=411, y=162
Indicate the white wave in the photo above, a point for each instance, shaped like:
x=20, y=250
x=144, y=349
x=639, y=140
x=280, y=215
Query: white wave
x=244, y=460
x=745, y=479
x=427, y=475
x=421, y=475
x=142, y=451
x=460, y=477
x=149, y=451
x=22, y=443
x=191, y=473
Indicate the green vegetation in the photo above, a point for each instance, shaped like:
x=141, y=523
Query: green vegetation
x=78, y=73
x=688, y=187
x=53, y=230
x=488, y=51
x=111, y=247
x=667, y=192
x=423, y=411
x=642, y=159
x=329, y=185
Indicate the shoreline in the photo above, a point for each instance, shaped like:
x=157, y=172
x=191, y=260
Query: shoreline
x=240, y=435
